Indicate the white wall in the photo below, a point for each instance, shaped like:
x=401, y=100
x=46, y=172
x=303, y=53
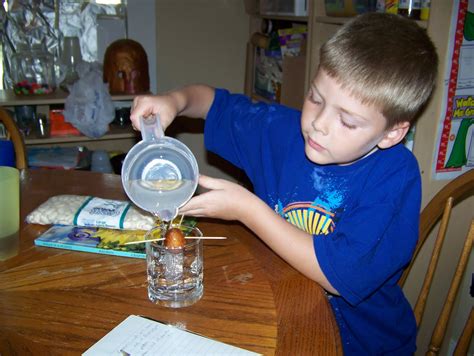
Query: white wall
x=201, y=41
x=142, y=28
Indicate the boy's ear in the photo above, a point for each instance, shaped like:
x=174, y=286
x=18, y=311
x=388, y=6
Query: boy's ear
x=394, y=135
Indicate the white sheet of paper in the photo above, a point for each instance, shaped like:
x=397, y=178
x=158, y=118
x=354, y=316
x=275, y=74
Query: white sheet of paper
x=137, y=336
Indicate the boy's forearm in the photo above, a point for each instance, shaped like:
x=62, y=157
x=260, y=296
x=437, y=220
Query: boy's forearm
x=194, y=100
x=292, y=244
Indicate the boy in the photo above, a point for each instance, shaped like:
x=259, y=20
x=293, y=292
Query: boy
x=335, y=192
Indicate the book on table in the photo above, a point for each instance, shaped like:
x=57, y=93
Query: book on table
x=94, y=240
x=77, y=157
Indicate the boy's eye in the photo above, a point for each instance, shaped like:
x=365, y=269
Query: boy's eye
x=314, y=99
x=346, y=124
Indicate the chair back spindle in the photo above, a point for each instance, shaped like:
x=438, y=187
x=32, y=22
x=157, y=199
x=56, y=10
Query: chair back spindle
x=439, y=210
x=443, y=319
x=428, y=281
x=465, y=339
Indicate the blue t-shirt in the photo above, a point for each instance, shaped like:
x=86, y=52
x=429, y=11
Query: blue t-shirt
x=363, y=216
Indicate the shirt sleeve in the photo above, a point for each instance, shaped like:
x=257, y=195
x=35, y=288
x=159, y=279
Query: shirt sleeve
x=376, y=237
x=246, y=133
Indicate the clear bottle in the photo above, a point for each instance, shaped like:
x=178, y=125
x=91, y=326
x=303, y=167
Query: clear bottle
x=70, y=58
x=380, y=6
x=410, y=8
x=33, y=70
x=425, y=10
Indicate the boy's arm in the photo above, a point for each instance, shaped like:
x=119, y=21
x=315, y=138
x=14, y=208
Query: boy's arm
x=192, y=101
x=230, y=201
x=295, y=246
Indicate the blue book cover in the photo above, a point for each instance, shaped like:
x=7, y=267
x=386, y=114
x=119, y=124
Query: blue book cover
x=94, y=239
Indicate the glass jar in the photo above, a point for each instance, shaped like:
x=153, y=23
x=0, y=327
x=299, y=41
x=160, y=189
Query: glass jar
x=33, y=71
x=70, y=58
x=410, y=8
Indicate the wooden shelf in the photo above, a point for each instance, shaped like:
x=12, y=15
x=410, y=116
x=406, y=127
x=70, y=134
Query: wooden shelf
x=259, y=40
x=117, y=138
x=336, y=20
x=284, y=17
x=115, y=133
x=9, y=98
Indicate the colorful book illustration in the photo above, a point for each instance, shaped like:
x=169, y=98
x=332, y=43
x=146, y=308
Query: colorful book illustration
x=99, y=239
x=93, y=239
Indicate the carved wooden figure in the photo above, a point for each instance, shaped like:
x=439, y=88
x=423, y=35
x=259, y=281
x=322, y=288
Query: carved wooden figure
x=126, y=68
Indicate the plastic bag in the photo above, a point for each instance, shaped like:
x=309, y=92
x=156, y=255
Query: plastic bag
x=89, y=106
x=65, y=209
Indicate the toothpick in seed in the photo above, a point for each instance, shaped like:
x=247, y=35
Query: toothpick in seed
x=186, y=237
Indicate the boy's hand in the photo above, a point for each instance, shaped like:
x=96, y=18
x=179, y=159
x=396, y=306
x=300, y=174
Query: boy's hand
x=192, y=101
x=145, y=105
x=224, y=200
x=230, y=201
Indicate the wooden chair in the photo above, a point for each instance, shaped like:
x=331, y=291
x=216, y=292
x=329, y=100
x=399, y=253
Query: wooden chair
x=439, y=210
x=466, y=336
x=16, y=137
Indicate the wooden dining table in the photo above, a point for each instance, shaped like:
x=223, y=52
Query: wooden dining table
x=61, y=302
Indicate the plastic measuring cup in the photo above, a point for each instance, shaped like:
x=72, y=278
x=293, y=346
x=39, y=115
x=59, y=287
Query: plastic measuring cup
x=159, y=174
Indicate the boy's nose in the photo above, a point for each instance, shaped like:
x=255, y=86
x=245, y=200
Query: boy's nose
x=321, y=122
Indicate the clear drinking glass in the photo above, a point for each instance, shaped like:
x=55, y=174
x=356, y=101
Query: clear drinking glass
x=175, y=275
x=70, y=57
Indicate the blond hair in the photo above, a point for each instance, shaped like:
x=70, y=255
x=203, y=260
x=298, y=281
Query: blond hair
x=384, y=60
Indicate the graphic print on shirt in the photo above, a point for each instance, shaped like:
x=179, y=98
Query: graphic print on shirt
x=308, y=217
x=317, y=217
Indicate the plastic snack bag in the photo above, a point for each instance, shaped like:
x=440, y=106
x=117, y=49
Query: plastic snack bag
x=79, y=210
x=89, y=106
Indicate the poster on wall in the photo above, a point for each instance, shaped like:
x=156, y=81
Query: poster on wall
x=455, y=143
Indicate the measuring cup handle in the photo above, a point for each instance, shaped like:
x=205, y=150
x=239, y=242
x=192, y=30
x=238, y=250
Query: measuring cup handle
x=151, y=128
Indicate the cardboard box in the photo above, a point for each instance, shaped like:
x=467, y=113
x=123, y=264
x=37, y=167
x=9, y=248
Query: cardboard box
x=293, y=80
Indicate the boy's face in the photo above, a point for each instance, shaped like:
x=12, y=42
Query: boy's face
x=337, y=128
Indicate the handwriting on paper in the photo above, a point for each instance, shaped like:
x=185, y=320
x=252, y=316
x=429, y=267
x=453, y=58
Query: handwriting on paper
x=140, y=336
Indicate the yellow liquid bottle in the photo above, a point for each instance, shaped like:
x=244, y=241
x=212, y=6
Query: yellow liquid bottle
x=9, y=212
x=425, y=10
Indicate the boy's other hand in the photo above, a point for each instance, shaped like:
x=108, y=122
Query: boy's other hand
x=223, y=200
